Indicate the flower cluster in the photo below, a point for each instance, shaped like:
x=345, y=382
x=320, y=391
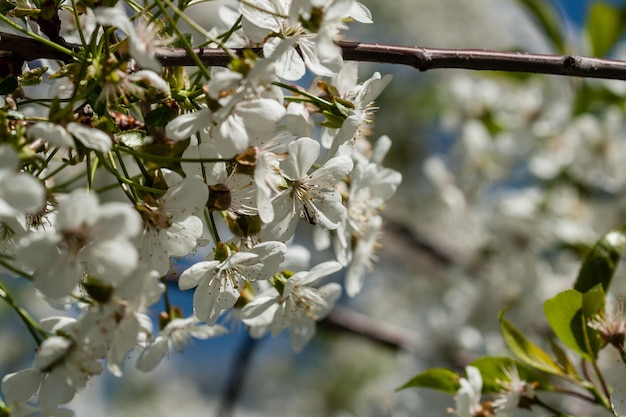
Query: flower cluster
x=132, y=165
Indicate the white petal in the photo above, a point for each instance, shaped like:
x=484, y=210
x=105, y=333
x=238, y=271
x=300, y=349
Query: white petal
x=289, y=65
x=92, y=138
x=192, y=276
x=55, y=390
x=260, y=115
x=113, y=16
x=22, y=385
x=257, y=306
x=124, y=339
x=55, y=134
x=77, y=210
x=152, y=355
x=22, y=193
x=320, y=271
x=51, y=351
x=302, y=154
x=360, y=13
x=111, y=260
x=188, y=124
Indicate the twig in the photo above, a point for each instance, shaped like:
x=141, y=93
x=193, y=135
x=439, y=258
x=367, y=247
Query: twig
x=235, y=381
x=385, y=333
x=423, y=59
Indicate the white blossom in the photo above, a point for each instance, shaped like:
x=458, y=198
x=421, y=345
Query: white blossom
x=219, y=281
x=301, y=303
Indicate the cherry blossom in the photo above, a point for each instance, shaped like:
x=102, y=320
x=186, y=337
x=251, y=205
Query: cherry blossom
x=297, y=307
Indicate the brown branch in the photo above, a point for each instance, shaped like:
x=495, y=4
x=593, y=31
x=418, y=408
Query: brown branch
x=423, y=59
x=380, y=332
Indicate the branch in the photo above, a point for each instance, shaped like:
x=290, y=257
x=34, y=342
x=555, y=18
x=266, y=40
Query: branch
x=423, y=59
x=383, y=333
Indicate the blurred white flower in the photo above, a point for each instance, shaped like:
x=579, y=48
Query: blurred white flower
x=467, y=398
x=88, y=238
x=60, y=136
x=172, y=338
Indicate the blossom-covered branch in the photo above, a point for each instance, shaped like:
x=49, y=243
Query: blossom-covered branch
x=423, y=59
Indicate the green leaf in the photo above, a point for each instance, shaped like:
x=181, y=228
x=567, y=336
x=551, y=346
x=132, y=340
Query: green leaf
x=525, y=350
x=8, y=85
x=332, y=121
x=568, y=314
x=563, y=360
x=439, y=379
x=564, y=314
x=493, y=370
x=601, y=261
x=605, y=26
x=593, y=304
x=548, y=20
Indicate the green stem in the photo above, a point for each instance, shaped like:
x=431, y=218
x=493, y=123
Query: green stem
x=605, y=388
x=125, y=171
x=158, y=158
x=320, y=102
x=79, y=27
x=89, y=171
x=31, y=324
x=54, y=172
x=15, y=270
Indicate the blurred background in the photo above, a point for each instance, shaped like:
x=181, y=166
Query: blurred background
x=507, y=180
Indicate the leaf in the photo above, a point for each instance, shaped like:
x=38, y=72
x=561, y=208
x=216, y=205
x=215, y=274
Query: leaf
x=568, y=314
x=563, y=312
x=563, y=360
x=593, y=304
x=439, y=379
x=548, y=20
x=492, y=369
x=605, y=26
x=525, y=350
x=601, y=261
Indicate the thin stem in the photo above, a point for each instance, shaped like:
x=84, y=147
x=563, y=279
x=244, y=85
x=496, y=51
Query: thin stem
x=167, y=306
x=548, y=407
x=31, y=324
x=200, y=29
x=576, y=394
x=89, y=171
x=605, y=388
x=313, y=98
x=208, y=217
x=125, y=171
x=40, y=39
x=159, y=158
x=79, y=27
x=15, y=270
